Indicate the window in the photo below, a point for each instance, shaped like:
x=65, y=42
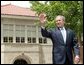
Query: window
x=29, y=39
x=10, y=39
x=5, y=39
x=18, y=39
x=31, y=34
x=45, y=40
x=22, y=39
x=8, y=30
x=20, y=30
x=40, y=40
x=33, y=31
x=7, y=33
x=20, y=33
x=39, y=32
x=34, y=40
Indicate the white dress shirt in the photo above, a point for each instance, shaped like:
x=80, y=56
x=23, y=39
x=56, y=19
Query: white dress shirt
x=63, y=31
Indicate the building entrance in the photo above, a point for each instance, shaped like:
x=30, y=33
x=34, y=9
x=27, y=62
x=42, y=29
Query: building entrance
x=20, y=61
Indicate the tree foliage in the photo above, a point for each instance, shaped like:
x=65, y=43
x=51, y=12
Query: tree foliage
x=72, y=10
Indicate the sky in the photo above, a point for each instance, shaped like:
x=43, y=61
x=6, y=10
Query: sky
x=24, y=4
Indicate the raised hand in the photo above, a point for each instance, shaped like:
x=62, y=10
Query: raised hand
x=42, y=18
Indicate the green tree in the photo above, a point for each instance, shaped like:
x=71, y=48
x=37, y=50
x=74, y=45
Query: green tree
x=72, y=10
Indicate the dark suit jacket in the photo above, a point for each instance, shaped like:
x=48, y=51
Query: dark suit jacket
x=61, y=49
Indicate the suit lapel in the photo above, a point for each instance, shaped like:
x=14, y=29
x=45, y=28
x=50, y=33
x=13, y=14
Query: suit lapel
x=67, y=35
x=59, y=35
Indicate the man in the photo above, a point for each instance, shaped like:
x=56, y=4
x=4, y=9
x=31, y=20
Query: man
x=63, y=39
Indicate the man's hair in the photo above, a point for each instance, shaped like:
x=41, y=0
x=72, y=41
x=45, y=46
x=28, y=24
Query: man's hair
x=61, y=17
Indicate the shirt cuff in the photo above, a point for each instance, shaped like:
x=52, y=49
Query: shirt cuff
x=43, y=27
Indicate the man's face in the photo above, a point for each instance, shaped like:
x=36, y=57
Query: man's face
x=59, y=21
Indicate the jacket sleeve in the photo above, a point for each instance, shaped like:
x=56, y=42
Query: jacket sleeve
x=45, y=32
x=75, y=45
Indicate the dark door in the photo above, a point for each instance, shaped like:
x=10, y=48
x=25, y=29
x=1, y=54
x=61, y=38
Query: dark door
x=20, y=61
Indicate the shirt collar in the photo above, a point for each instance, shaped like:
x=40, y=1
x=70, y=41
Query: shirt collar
x=62, y=28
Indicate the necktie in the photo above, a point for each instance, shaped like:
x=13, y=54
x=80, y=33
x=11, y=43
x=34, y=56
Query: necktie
x=63, y=31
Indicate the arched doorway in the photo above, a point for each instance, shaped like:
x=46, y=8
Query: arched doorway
x=20, y=61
